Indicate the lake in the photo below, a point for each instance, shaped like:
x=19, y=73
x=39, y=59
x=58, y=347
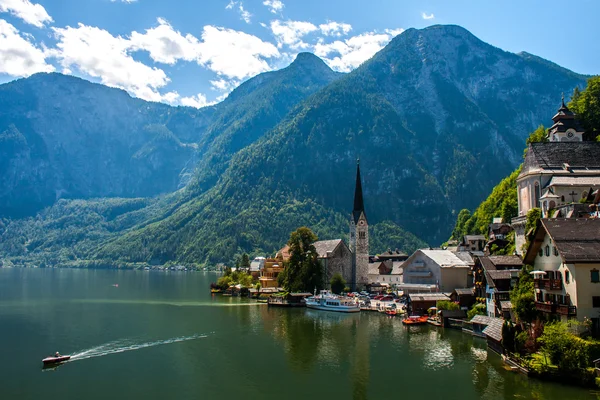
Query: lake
x=162, y=335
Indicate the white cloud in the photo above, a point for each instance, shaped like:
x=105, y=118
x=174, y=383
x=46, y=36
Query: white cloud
x=97, y=53
x=244, y=14
x=124, y=1
x=18, y=56
x=427, y=16
x=290, y=33
x=33, y=14
x=332, y=28
x=352, y=52
x=234, y=54
x=275, y=6
x=224, y=85
x=164, y=44
x=197, y=101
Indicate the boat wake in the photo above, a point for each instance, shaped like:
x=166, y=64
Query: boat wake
x=123, y=345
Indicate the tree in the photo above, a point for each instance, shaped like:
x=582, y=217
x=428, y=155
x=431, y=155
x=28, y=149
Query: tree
x=522, y=297
x=338, y=284
x=245, y=262
x=461, y=220
x=564, y=349
x=586, y=105
x=477, y=309
x=447, y=305
x=303, y=272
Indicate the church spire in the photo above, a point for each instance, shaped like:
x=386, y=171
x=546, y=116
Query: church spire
x=359, y=206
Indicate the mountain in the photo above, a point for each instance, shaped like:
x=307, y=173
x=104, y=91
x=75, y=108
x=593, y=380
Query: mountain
x=437, y=118
x=64, y=137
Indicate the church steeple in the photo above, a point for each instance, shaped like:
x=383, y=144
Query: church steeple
x=359, y=206
x=566, y=127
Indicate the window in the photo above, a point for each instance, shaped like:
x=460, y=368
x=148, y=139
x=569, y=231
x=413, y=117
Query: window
x=556, y=251
x=596, y=301
x=547, y=251
x=595, y=274
x=541, y=252
x=567, y=276
x=361, y=235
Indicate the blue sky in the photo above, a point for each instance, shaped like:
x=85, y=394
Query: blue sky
x=194, y=52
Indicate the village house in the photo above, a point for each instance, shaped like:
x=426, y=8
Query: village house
x=386, y=273
x=464, y=297
x=565, y=254
x=434, y=270
x=256, y=266
x=494, y=277
x=272, y=267
x=472, y=243
x=497, y=235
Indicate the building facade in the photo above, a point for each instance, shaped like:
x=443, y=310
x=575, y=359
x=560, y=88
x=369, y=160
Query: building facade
x=565, y=253
x=335, y=258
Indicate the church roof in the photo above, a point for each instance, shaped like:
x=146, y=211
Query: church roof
x=359, y=206
x=325, y=246
x=554, y=155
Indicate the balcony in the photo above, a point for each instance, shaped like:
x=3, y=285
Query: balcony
x=566, y=310
x=545, y=307
x=548, y=284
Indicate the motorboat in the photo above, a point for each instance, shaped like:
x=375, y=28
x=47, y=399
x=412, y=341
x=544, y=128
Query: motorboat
x=55, y=360
x=328, y=301
x=415, y=320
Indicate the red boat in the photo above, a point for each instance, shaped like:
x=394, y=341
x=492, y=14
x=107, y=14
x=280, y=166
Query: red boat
x=415, y=320
x=55, y=360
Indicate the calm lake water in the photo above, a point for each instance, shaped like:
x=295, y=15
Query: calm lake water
x=162, y=335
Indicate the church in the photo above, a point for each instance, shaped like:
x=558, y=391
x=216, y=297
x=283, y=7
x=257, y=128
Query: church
x=352, y=262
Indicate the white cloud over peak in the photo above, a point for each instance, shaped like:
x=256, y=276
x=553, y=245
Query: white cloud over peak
x=348, y=54
x=18, y=56
x=97, y=53
x=165, y=44
x=32, y=13
x=197, y=101
x=275, y=6
x=427, y=16
x=332, y=28
x=290, y=33
x=234, y=54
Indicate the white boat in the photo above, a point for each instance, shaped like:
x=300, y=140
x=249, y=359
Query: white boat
x=328, y=301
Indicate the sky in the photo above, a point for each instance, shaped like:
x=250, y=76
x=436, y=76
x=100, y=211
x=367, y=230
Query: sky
x=194, y=52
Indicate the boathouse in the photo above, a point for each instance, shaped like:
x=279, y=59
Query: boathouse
x=419, y=303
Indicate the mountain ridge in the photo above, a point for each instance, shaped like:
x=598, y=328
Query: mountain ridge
x=433, y=133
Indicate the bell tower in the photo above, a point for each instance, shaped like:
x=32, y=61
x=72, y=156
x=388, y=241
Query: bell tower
x=566, y=127
x=359, y=236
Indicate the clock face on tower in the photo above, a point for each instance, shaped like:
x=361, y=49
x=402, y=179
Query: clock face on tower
x=570, y=134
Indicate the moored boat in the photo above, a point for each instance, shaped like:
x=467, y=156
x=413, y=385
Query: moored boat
x=415, y=320
x=327, y=301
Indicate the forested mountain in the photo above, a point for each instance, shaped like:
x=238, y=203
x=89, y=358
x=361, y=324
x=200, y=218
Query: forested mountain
x=437, y=118
x=64, y=137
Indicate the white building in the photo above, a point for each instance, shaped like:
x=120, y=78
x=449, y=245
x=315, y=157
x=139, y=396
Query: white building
x=440, y=269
